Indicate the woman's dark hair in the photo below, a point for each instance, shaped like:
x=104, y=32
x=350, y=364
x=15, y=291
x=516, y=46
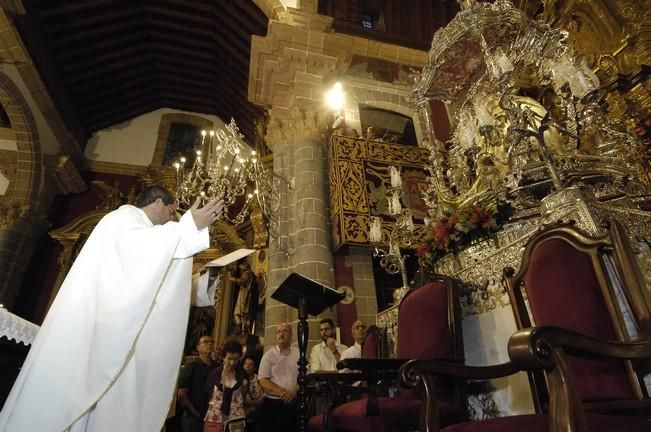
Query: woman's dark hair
x=151, y=193
x=231, y=346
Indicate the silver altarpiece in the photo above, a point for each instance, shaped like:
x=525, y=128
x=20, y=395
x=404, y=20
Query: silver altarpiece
x=530, y=126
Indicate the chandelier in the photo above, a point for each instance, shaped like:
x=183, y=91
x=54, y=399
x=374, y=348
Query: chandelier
x=400, y=233
x=225, y=168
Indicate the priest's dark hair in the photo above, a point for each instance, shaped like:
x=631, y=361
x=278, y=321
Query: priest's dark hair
x=151, y=193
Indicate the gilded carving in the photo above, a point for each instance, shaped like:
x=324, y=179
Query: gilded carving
x=352, y=180
x=260, y=231
x=296, y=124
x=14, y=214
x=10, y=214
x=358, y=174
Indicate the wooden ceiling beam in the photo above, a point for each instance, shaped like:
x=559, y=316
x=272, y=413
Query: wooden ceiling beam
x=65, y=54
x=104, y=60
x=64, y=9
x=87, y=37
x=199, y=20
x=89, y=21
x=123, y=68
x=101, y=78
x=224, y=42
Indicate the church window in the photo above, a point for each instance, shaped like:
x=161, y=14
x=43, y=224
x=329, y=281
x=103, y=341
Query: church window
x=183, y=140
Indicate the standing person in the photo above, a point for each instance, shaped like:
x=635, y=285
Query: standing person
x=107, y=355
x=226, y=388
x=325, y=355
x=192, y=386
x=278, y=377
x=254, y=396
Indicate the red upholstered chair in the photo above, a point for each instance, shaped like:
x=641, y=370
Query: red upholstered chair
x=548, y=349
x=428, y=327
x=338, y=388
x=566, y=283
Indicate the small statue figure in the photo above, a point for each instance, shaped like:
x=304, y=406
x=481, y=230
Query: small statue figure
x=246, y=305
x=111, y=196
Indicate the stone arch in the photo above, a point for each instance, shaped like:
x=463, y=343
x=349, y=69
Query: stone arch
x=30, y=163
x=273, y=9
x=391, y=101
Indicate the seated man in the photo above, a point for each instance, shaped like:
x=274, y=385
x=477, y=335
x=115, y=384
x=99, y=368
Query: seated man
x=325, y=355
x=278, y=377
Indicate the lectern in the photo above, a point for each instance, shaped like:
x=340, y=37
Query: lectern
x=309, y=297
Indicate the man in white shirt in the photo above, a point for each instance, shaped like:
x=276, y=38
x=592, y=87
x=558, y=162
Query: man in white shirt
x=325, y=355
x=359, y=334
x=278, y=377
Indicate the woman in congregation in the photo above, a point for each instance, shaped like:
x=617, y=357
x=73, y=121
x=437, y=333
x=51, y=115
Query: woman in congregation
x=254, y=396
x=227, y=386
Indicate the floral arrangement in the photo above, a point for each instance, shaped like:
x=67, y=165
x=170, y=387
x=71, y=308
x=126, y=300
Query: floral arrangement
x=453, y=231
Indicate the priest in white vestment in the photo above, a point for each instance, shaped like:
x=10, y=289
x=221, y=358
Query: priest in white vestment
x=107, y=356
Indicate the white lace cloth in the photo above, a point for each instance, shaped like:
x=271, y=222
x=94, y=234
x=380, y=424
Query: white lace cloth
x=16, y=328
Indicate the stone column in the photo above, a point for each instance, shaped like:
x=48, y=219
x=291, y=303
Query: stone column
x=301, y=242
x=20, y=228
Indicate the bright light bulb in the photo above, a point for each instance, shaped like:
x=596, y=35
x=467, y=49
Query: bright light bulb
x=202, y=193
x=254, y=160
x=237, y=151
x=253, y=153
x=250, y=196
x=255, y=191
x=182, y=160
x=177, y=165
x=335, y=97
x=203, y=133
x=219, y=147
x=198, y=152
x=212, y=133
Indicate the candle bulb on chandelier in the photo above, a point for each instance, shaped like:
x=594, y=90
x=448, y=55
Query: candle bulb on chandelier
x=177, y=166
x=394, y=204
x=396, y=180
x=410, y=222
x=375, y=230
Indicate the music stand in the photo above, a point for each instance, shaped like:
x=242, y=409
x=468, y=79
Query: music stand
x=309, y=297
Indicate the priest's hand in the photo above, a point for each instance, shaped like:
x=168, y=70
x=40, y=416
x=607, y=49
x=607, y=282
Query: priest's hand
x=207, y=214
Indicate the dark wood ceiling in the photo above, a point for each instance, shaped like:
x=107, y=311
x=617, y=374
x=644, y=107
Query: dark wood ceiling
x=106, y=61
